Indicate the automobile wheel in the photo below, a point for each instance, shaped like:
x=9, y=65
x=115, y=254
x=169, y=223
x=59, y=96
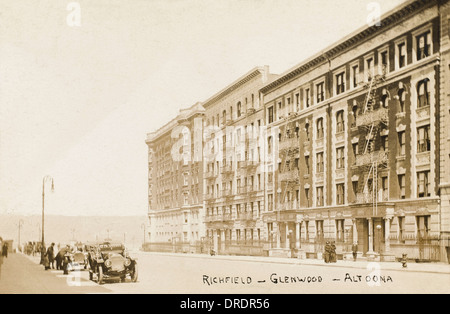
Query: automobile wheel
x=134, y=274
x=100, y=275
x=91, y=275
x=122, y=279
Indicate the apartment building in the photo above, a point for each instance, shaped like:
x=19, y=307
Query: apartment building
x=234, y=173
x=362, y=141
x=175, y=179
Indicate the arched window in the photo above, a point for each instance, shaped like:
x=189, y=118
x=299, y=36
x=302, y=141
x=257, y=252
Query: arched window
x=319, y=125
x=224, y=117
x=384, y=98
x=239, y=108
x=401, y=99
x=422, y=93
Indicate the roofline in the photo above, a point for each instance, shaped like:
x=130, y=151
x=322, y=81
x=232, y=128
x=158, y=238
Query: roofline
x=184, y=113
x=237, y=83
x=355, y=38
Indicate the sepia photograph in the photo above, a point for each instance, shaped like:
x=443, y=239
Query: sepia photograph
x=224, y=152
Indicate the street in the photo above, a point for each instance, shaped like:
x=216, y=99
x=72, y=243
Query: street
x=202, y=274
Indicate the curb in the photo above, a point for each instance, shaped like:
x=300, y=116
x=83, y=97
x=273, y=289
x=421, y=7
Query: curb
x=301, y=262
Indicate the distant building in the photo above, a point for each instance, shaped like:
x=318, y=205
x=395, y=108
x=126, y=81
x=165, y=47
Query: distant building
x=175, y=194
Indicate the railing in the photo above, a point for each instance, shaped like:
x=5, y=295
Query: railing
x=291, y=205
x=379, y=156
x=289, y=144
x=369, y=117
x=291, y=175
x=245, y=216
x=226, y=169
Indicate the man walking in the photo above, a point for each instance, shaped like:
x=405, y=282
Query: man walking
x=355, y=251
x=51, y=255
x=5, y=250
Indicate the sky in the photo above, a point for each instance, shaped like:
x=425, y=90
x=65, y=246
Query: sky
x=83, y=82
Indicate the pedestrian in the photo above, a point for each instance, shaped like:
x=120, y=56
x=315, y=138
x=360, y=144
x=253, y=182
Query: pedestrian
x=51, y=255
x=355, y=251
x=333, y=253
x=5, y=250
x=1, y=258
x=326, y=254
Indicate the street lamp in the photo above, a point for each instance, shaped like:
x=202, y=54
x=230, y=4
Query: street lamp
x=44, y=180
x=143, y=226
x=20, y=225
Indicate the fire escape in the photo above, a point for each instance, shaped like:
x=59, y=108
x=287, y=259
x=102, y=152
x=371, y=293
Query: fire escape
x=371, y=121
x=288, y=176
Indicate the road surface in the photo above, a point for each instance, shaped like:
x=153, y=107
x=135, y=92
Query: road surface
x=193, y=274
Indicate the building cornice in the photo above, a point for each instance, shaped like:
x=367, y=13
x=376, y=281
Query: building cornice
x=235, y=85
x=356, y=38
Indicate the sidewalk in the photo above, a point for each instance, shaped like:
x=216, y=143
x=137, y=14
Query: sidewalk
x=440, y=268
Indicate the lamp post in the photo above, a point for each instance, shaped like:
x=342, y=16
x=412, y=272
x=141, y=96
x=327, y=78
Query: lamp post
x=143, y=226
x=378, y=236
x=20, y=225
x=44, y=180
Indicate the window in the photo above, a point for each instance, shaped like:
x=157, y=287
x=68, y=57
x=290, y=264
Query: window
x=307, y=165
x=270, y=114
x=319, y=194
x=401, y=228
x=340, y=83
x=355, y=148
x=423, y=184
x=307, y=197
x=307, y=98
x=307, y=132
x=270, y=201
x=340, y=121
x=319, y=162
x=320, y=131
x=423, y=226
x=340, y=192
x=384, y=142
x=423, y=139
x=355, y=186
x=297, y=101
x=354, y=76
x=401, y=143
x=340, y=230
x=320, y=92
x=384, y=186
x=423, y=45
x=239, y=108
x=340, y=159
x=319, y=230
x=401, y=55
x=269, y=145
x=384, y=98
x=369, y=69
x=224, y=117
x=423, y=95
x=384, y=62
x=401, y=99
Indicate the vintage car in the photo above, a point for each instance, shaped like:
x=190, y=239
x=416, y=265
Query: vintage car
x=108, y=261
x=79, y=261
